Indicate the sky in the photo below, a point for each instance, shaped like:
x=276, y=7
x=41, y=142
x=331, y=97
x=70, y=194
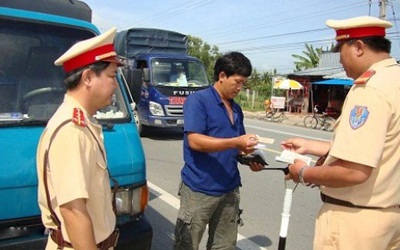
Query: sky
x=267, y=32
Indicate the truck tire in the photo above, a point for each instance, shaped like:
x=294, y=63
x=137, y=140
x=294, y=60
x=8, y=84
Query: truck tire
x=139, y=126
x=137, y=121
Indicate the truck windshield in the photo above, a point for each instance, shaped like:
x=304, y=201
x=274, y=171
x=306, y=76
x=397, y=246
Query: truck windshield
x=31, y=86
x=182, y=73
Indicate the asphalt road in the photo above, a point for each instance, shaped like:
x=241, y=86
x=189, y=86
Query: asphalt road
x=262, y=194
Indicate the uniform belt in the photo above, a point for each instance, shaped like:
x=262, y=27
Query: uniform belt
x=331, y=200
x=111, y=240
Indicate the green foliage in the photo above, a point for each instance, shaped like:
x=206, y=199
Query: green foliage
x=248, y=104
x=261, y=82
x=310, y=59
x=205, y=53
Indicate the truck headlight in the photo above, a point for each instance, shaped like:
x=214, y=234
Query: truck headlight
x=132, y=201
x=156, y=109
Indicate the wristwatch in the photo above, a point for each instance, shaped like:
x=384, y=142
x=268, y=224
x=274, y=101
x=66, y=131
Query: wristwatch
x=301, y=171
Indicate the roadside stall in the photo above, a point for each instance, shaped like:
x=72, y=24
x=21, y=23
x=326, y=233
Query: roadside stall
x=293, y=95
x=335, y=90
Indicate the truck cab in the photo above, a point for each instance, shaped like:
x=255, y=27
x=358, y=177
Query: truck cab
x=33, y=35
x=165, y=83
x=161, y=75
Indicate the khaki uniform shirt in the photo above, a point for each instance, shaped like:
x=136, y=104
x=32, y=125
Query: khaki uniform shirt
x=77, y=169
x=368, y=132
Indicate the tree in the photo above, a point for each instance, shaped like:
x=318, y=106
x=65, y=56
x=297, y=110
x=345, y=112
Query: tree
x=266, y=79
x=254, y=80
x=310, y=60
x=204, y=52
x=261, y=82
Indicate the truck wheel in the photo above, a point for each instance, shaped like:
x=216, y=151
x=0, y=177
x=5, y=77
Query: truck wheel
x=139, y=125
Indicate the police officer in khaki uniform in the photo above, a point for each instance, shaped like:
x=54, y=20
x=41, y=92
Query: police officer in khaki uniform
x=359, y=179
x=74, y=188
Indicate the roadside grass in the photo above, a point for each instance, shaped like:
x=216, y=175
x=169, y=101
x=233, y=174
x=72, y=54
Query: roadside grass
x=248, y=104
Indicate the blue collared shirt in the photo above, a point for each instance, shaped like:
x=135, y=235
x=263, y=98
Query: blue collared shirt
x=213, y=173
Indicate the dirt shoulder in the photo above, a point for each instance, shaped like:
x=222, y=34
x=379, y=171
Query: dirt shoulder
x=294, y=119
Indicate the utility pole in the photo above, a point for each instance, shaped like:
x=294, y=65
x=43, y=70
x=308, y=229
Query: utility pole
x=382, y=9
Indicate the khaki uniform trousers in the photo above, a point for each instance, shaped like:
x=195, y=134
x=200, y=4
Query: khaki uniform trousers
x=344, y=228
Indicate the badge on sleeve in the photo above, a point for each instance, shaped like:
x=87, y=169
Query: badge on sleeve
x=358, y=116
x=78, y=117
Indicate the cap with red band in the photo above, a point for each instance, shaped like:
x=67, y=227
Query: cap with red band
x=358, y=27
x=86, y=52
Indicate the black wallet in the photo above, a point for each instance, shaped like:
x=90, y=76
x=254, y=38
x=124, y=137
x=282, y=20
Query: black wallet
x=246, y=159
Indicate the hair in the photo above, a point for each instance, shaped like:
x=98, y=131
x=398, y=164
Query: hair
x=232, y=63
x=73, y=77
x=375, y=43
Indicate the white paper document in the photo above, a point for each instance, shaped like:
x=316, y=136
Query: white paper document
x=265, y=140
x=288, y=157
x=259, y=152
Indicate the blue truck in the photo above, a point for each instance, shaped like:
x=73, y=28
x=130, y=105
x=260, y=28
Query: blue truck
x=160, y=74
x=33, y=35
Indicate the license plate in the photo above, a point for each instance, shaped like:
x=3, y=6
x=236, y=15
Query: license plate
x=180, y=121
x=176, y=100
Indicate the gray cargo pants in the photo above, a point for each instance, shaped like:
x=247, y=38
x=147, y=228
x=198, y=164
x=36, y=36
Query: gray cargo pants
x=221, y=213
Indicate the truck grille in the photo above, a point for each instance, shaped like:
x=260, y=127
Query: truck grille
x=174, y=110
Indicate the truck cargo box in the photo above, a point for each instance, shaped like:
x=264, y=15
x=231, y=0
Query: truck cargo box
x=130, y=42
x=67, y=8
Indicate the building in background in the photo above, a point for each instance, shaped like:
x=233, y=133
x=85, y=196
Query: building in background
x=326, y=85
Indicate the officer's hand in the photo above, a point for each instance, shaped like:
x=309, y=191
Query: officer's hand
x=298, y=145
x=294, y=170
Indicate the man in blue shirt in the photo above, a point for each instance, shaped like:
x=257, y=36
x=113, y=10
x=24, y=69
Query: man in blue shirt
x=214, y=134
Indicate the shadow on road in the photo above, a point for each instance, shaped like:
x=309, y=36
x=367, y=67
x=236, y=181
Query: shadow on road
x=164, y=133
x=163, y=229
x=261, y=240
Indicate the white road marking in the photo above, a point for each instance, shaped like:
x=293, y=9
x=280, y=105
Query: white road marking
x=285, y=133
x=243, y=243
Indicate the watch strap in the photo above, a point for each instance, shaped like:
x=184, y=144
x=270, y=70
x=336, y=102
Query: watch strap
x=301, y=173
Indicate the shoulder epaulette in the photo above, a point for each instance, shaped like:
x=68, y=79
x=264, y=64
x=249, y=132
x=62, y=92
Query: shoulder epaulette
x=78, y=117
x=363, y=79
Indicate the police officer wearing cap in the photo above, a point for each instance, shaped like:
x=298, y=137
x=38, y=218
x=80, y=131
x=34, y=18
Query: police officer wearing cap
x=75, y=196
x=359, y=175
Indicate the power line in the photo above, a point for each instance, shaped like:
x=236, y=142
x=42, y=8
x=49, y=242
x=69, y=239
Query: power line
x=395, y=22
x=283, y=20
x=274, y=36
x=296, y=45
x=285, y=46
x=174, y=11
x=234, y=26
